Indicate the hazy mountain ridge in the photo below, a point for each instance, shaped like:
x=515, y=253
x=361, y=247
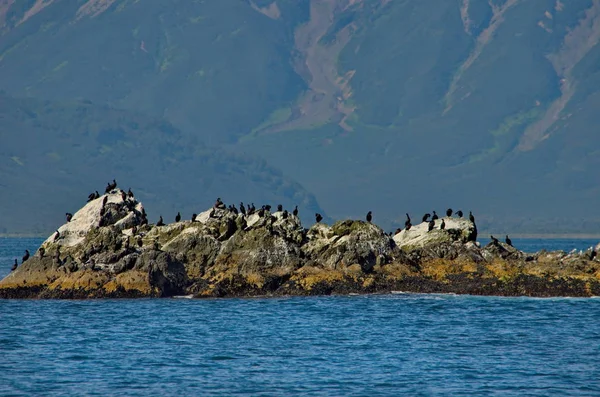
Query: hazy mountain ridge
x=47, y=170
x=392, y=106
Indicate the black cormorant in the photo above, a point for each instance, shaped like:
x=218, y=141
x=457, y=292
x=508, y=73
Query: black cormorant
x=407, y=219
x=459, y=213
x=123, y=195
x=426, y=217
x=318, y=217
x=178, y=217
x=285, y=214
x=407, y=226
x=279, y=207
x=267, y=207
x=471, y=217
x=42, y=251
x=129, y=193
x=26, y=256
x=435, y=216
x=69, y=216
x=431, y=225
x=14, y=266
x=111, y=186
x=494, y=240
x=508, y=241
x=160, y=221
x=295, y=212
x=219, y=204
x=261, y=211
x=194, y=217
x=593, y=254
x=369, y=216
x=104, y=201
x=449, y=212
x=397, y=231
x=443, y=225
x=91, y=197
x=251, y=209
x=242, y=208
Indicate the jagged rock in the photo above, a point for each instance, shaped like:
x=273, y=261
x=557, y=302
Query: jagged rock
x=457, y=229
x=348, y=243
x=107, y=252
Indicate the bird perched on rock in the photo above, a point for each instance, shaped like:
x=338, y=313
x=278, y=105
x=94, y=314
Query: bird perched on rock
x=369, y=216
x=14, y=266
x=426, y=217
x=459, y=213
x=295, y=212
x=160, y=221
x=398, y=230
x=111, y=186
x=494, y=240
x=177, y=217
x=129, y=193
x=407, y=226
x=431, y=225
x=26, y=256
x=279, y=207
x=233, y=209
x=93, y=196
x=471, y=217
x=407, y=220
x=318, y=217
x=261, y=211
x=123, y=196
x=242, y=209
x=219, y=204
x=69, y=216
x=443, y=225
x=251, y=209
x=449, y=212
x=194, y=217
x=593, y=254
x=104, y=201
x=508, y=241
x=267, y=207
x=435, y=216
x=42, y=251
x=285, y=214
x=56, y=236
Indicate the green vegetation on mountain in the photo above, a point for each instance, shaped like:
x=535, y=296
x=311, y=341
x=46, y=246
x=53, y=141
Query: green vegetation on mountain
x=390, y=106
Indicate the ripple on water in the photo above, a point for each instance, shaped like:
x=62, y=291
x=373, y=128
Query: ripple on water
x=368, y=345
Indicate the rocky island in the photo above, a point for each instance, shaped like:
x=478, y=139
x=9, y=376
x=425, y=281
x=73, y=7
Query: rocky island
x=108, y=250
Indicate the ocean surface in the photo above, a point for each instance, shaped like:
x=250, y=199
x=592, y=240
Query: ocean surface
x=378, y=345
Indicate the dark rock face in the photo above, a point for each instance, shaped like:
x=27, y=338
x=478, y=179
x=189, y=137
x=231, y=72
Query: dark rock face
x=107, y=251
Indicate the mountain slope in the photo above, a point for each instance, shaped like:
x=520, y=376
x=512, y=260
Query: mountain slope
x=390, y=106
x=54, y=154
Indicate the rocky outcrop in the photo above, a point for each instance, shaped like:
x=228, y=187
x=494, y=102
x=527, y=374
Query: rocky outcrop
x=109, y=250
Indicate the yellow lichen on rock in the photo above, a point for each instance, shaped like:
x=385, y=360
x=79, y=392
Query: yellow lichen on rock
x=130, y=281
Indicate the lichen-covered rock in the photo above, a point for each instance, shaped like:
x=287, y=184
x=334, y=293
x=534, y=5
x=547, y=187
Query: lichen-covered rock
x=419, y=236
x=109, y=250
x=348, y=243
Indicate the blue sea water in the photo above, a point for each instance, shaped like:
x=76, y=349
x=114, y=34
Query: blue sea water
x=398, y=344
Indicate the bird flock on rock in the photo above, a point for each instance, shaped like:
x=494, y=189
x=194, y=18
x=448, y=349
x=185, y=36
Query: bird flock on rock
x=246, y=210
